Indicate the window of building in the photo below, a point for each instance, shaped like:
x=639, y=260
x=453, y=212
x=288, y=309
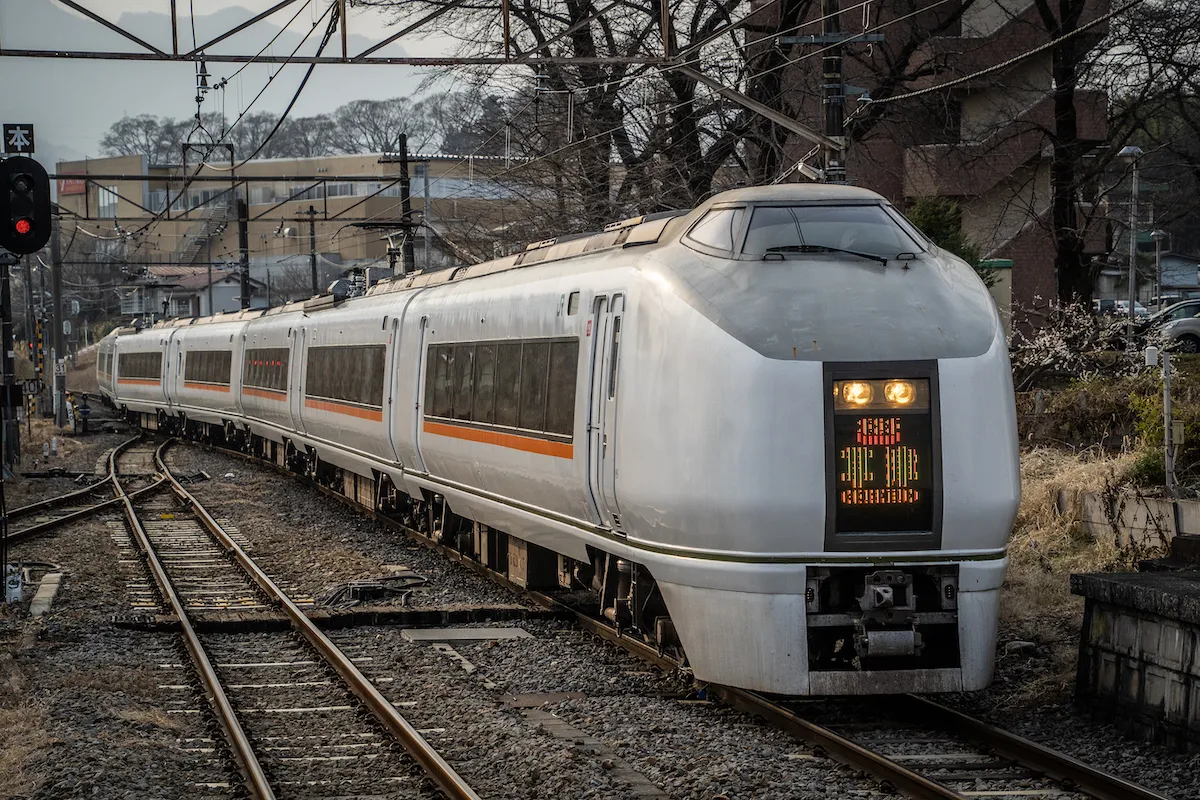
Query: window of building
x=208, y=366
x=107, y=201
x=353, y=374
x=528, y=385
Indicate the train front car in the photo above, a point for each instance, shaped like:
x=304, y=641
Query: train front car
x=840, y=527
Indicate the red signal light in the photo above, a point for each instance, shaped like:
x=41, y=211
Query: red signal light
x=24, y=226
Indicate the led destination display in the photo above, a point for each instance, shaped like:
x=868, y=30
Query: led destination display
x=883, y=456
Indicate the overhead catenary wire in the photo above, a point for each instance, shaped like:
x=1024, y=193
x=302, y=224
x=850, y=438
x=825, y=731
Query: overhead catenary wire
x=203, y=163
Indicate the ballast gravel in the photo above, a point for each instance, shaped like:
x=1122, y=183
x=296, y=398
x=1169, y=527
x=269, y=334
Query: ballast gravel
x=601, y=722
x=315, y=542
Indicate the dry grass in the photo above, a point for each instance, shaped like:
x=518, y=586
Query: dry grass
x=153, y=717
x=22, y=735
x=1045, y=548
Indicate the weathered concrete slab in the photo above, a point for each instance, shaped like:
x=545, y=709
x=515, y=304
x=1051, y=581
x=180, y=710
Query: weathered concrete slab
x=1173, y=595
x=44, y=596
x=463, y=634
x=1139, y=656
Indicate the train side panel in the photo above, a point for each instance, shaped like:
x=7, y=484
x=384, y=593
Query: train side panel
x=343, y=394
x=204, y=371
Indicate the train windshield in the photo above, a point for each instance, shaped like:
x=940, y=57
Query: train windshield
x=867, y=229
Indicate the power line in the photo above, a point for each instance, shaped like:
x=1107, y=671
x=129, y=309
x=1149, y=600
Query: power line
x=1015, y=59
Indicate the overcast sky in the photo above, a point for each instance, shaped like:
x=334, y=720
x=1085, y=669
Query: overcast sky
x=73, y=102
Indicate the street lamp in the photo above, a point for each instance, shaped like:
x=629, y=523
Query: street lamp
x=1132, y=153
x=1158, y=234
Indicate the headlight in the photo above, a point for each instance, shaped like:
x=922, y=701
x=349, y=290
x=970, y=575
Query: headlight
x=857, y=393
x=901, y=393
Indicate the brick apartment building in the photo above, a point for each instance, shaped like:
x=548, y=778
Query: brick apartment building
x=982, y=142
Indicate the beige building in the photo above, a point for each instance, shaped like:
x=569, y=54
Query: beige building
x=136, y=214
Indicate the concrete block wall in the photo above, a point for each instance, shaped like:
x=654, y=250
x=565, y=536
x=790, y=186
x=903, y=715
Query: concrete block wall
x=1142, y=671
x=1133, y=519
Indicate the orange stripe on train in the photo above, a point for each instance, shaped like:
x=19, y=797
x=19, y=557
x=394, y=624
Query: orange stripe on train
x=140, y=381
x=269, y=394
x=208, y=387
x=513, y=441
x=374, y=414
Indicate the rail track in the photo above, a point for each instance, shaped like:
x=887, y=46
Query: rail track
x=46, y=515
x=290, y=704
x=945, y=755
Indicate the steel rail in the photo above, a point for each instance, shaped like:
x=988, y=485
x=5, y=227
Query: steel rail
x=438, y=769
x=50, y=524
x=1060, y=766
x=1052, y=764
x=62, y=499
x=252, y=770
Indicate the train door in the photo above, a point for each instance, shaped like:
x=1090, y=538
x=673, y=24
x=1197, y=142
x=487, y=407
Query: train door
x=608, y=447
x=172, y=369
x=393, y=389
x=297, y=379
x=417, y=397
x=602, y=407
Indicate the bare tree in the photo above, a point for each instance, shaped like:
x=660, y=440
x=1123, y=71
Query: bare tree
x=374, y=126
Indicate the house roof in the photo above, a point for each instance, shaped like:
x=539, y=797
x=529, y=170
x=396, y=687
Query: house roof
x=187, y=277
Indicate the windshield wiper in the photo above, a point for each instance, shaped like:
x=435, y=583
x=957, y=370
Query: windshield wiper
x=820, y=248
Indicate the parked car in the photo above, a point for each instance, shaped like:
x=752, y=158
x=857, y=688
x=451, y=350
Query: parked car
x=1122, y=310
x=1180, y=325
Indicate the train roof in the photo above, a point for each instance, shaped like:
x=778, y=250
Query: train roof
x=641, y=230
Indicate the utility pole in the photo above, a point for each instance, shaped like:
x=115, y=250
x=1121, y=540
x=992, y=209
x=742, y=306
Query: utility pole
x=211, y=309
x=60, y=364
x=29, y=324
x=835, y=92
x=244, y=250
x=832, y=39
x=12, y=431
x=427, y=218
x=312, y=247
x=406, y=207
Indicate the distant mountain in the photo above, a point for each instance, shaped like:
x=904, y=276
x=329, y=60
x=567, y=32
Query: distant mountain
x=74, y=102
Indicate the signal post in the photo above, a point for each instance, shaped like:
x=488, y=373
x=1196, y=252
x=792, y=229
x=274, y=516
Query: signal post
x=25, y=228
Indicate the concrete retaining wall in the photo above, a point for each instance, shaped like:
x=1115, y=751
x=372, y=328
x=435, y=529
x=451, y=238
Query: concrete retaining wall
x=1139, y=656
x=1136, y=520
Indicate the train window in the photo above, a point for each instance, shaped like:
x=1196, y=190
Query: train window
x=354, y=374
x=266, y=368
x=612, y=361
x=508, y=383
x=442, y=398
x=464, y=380
x=535, y=365
x=573, y=304
x=141, y=366
x=484, y=409
x=865, y=228
x=718, y=228
x=560, y=407
x=208, y=366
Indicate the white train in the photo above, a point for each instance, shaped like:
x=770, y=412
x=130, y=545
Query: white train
x=776, y=431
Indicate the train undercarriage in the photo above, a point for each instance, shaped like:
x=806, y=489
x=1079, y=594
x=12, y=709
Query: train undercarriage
x=617, y=590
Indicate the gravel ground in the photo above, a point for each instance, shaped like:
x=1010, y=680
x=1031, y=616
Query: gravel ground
x=316, y=543
x=100, y=724
x=644, y=720
x=94, y=722
x=1057, y=722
